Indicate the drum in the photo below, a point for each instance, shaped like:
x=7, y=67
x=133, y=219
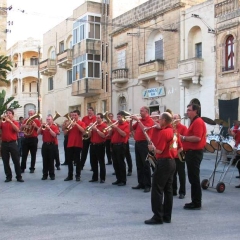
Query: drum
x=215, y=142
x=228, y=144
x=208, y=145
x=238, y=149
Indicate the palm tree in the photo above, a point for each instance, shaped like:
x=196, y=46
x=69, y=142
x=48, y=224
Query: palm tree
x=5, y=67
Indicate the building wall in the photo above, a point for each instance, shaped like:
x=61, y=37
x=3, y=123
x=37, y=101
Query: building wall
x=3, y=26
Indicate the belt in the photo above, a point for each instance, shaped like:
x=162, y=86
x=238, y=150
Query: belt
x=142, y=141
x=98, y=143
x=49, y=143
x=9, y=141
x=118, y=143
x=193, y=150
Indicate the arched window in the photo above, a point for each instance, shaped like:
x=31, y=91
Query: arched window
x=229, y=53
x=122, y=103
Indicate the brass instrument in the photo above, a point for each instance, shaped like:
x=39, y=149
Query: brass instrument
x=56, y=116
x=44, y=126
x=108, y=128
x=71, y=121
x=3, y=119
x=28, y=129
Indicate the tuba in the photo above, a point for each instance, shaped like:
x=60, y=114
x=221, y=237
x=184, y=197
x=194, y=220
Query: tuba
x=28, y=129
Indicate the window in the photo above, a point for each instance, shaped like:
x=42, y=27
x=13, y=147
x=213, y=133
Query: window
x=102, y=51
x=106, y=53
x=122, y=104
x=106, y=82
x=102, y=78
x=159, y=49
x=69, y=77
x=33, y=61
x=229, y=53
x=121, y=58
x=104, y=106
x=198, y=50
x=53, y=54
x=50, y=83
x=61, y=47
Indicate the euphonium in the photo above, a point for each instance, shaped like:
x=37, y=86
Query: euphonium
x=28, y=129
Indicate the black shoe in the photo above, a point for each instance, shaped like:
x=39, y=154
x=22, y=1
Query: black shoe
x=114, y=173
x=78, y=179
x=147, y=189
x=64, y=163
x=153, y=221
x=68, y=179
x=122, y=184
x=102, y=181
x=108, y=163
x=44, y=178
x=52, y=178
x=58, y=168
x=129, y=174
x=138, y=187
x=8, y=180
x=166, y=220
x=192, y=206
x=237, y=176
x=22, y=170
x=20, y=180
x=181, y=196
x=92, y=180
x=238, y=186
x=31, y=171
x=116, y=183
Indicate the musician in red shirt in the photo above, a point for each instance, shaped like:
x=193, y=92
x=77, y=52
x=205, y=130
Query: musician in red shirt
x=74, y=145
x=30, y=142
x=141, y=148
x=89, y=119
x=194, y=141
x=165, y=150
x=97, y=149
x=9, y=146
x=120, y=135
x=49, y=132
x=180, y=166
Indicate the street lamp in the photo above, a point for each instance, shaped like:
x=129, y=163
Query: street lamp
x=38, y=81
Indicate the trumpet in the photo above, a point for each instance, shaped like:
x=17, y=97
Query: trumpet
x=108, y=128
x=3, y=119
x=87, y=130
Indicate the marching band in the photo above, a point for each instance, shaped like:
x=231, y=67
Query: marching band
x=160, y=141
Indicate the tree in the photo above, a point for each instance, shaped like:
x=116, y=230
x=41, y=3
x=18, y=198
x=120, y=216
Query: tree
x=5, y=67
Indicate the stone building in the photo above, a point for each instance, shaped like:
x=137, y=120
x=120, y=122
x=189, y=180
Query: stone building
x=145, y=53
x=227, y=14
x=24, y=75
x=196, y=68
x=75, y=62
x=3, y=26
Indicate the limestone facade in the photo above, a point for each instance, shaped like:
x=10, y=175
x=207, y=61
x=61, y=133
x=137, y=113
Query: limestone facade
x=145, y=55
x=3, y=26
x=24, y=75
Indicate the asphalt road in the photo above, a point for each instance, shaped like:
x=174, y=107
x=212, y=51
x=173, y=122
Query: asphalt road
x=48, y=209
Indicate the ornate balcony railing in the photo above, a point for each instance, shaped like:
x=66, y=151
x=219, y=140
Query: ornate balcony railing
x=120, y=75
x=225, y=7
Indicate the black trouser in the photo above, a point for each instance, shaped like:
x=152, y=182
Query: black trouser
x=180, y=170
x=128, y=157
x=29, y=144
x=143, y=166
x=20, y=142
x=56, y=155
x=48, y=159
x=108, y=150
x=162, y=197
x=97, y=152
x=74, y=155
x=7, y=149
x=86, y=144
x=65, y=142
x=118, y=155
x=193, y=160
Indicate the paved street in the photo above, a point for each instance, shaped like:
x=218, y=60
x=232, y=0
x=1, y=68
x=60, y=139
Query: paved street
x=48, y=209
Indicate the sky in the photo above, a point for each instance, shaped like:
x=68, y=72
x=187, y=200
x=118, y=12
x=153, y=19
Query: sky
x=33, y=18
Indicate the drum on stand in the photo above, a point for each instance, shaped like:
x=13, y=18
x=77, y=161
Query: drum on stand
x=208, y=145
x=228, y=144
x=216, y=142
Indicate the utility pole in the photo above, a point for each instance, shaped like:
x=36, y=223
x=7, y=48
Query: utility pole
x=38, y=82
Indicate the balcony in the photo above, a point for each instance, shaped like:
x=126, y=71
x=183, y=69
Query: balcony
x=151, y=70
x=48, y=67
x=120, y=76
x=90, y=46
x=190, y=70
x=87, y=87
x=225, y=7
x=64, y=59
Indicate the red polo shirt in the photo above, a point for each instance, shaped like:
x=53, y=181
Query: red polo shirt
x=34, y=133
x=109, y=137
x=75, y=136
x=181, y=130
x=87, y=120
x=95, y=137
x=139, y=135
x=116, y=137
x=167, y=143
x=46, y=135
x=155, y=134
x=198, y=129
x=8, y=133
